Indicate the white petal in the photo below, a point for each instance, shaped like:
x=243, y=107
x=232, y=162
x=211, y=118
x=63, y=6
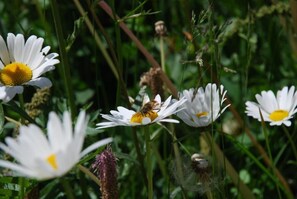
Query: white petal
x=67, y=123
x=8, y=93
x=18, y=48
x=35, y=56
x=55, y=131
x=45, y=67
x=169, y=120
x=4, y=55
x=18, y=168
x=28, y=47
x=145, y=120
x=81, y=123
x=96, y=145
x=40, y=82
x=10, y=45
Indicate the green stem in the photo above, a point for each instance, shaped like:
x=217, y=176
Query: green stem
x=68, y=189
x=89, y=173
x=291, y=141
x=149, y=162
x=162, y=54
x=22, y=187
x=65, y=69
x=270, y=156
x=140, y=157
x=22, y=105
x=246, y=193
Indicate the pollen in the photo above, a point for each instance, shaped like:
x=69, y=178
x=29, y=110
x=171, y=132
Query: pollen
x=201, y=114
x=52, y=161
x=278, y=115
x=138, y=116
x=15, y=74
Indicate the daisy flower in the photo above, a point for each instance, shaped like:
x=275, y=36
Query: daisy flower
x=202, y=106
x=22, y=63
x=43, y=158
x=151, y=112
x=277, y=109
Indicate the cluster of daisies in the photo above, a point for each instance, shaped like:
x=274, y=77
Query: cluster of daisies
x=44, y=157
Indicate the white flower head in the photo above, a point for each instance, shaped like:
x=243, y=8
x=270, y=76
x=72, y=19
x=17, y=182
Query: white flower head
x=22, y=63
x=277, y=109
x=151, y=112
x=202, y=106
x=43, y=158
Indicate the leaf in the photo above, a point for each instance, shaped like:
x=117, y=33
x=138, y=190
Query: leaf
x=78, y=24
x=1, y=118
x=13, y=106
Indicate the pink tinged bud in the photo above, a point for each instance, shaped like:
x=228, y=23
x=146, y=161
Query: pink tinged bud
x=105, y=169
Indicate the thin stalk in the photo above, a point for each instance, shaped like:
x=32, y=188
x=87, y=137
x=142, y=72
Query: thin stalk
x=270, y=155
x=291, y=141
x=22, y=105
x=162, y=54
x=178, y=162
x=67, y=188
x=63, y=56
x=222, y=159
x=89, y=173
x=209, y=194
x=22, y=187
x=178, y=159
x=103, y=50
x=97, y=39
x=139, y=155
x=21, y=179
x=149, y=169
x=139, y=45
x=160, y=162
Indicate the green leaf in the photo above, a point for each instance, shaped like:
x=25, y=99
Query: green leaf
x=1, y=118
x=14, y=107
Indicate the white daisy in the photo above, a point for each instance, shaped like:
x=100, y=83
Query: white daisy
x=151, y=112
x=203, y=106
x=277, y=109
x=22, y=63
x=41, y=158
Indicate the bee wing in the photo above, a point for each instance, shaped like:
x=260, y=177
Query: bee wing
x=145, y=99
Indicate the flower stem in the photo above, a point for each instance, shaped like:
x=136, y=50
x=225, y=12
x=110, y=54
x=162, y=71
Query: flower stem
x=22, y=105
x=65, y=69
x=68, y=190
x=162, y=54
x=89, y=173
x=140, y=157
x=149, y=162
x=291, y=141
x=270, y=155
x=22, y=187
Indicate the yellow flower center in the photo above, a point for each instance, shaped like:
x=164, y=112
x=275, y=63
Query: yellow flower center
x=278, y=115
x=52, y=161
x=15, y=74
x=138, y=116
x=201, y=114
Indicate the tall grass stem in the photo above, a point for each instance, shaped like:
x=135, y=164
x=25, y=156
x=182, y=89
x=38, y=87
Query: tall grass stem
x=63, y=56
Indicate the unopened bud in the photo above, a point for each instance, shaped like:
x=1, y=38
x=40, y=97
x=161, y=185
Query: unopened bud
x=160, y=28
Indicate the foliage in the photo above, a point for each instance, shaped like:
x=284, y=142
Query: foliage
x=248, y=47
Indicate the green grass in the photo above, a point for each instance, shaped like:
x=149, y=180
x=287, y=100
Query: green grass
x=248, y=47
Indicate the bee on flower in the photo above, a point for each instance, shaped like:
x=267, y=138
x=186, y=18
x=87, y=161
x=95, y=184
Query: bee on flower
x=152, y=111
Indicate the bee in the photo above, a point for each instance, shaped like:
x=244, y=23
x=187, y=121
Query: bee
x=147, y=111
x=149, y=107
